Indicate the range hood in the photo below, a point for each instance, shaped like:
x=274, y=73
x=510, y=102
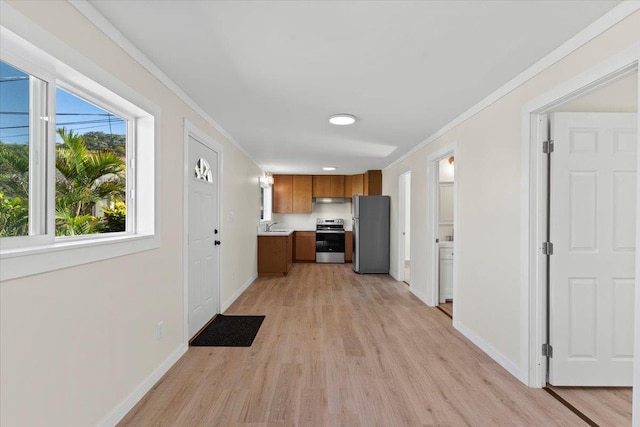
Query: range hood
x=331, y=200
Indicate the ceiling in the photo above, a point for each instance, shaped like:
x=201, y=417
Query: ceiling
x=272, y=72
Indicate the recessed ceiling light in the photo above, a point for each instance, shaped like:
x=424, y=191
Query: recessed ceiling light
x=329, y=168
x=342, y=119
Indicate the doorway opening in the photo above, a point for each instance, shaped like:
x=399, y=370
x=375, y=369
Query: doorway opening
x=404, y=213
x=586, y=185
x=442, y=191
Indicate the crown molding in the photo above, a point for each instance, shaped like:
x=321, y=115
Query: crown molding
x=97, y=19
x=608, y=20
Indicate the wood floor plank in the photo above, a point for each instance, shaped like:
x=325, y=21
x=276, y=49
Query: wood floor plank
x=603, y=405
x=342, y=349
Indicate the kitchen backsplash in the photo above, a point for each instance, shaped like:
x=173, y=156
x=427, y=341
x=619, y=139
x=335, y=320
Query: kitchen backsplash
x=308, y=221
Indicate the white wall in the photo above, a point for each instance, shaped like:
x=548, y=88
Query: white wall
x=75, y=343
x=320, y=210
x=617, y=97
x=488, y=175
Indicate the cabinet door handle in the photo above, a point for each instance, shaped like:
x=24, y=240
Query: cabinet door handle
x=216, y=242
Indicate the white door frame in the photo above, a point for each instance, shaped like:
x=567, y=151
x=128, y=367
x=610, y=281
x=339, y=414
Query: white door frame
x=402, y=215
x=533, y=213
x=190, y=130
x=433, y=291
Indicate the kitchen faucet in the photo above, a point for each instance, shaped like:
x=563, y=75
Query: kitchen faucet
x=268, y=226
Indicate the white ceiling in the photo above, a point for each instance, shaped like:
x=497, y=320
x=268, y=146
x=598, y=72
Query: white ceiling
x=272, y=72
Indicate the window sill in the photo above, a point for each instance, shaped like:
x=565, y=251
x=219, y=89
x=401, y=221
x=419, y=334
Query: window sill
x=21, y=262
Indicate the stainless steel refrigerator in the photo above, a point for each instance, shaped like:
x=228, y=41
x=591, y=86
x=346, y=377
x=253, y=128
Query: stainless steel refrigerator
x=371, y=234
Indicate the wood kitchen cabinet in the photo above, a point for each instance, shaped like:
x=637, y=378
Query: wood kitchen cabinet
x=337, y=186
x=348, y=246
x=321, y=185
x=305, y=246
x=282, y=193
x=373, y=183
x=357, y=184
x=275, y=255
x=302, y=190
x=292, y=193
x=328, y=186
x=348, y=183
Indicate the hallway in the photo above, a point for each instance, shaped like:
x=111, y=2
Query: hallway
x=337, y=348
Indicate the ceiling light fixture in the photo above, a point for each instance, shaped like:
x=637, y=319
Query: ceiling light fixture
x=342, y=119
x=329, y=168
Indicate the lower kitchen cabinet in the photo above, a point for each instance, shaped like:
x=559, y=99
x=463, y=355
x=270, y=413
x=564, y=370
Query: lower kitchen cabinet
x=348, y=246
x=305, y=246
x=275, y=255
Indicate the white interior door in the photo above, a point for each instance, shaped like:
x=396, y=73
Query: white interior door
x=404, y=220
x=592, y=270
x=203, y=252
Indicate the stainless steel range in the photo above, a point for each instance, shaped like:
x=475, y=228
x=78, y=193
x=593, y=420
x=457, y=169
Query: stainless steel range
x=330, y=240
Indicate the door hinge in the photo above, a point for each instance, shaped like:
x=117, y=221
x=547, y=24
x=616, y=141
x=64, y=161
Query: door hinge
x=547, y=147
x=547, y=350
x=547, y=248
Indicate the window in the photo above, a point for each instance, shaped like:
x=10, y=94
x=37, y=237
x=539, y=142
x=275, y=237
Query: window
x=77, y=164
x=91, y=168
x=14, y=151
x=265, y=200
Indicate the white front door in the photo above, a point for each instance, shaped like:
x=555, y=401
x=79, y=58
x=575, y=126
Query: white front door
x=592, y=269
x=203, y=252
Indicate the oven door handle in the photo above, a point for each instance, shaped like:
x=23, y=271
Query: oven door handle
x=329, y=231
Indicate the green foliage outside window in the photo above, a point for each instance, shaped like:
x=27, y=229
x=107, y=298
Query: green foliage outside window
x=90, y=170
x=14, y=216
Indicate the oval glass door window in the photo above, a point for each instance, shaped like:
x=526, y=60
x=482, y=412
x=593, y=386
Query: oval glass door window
x=202, y=170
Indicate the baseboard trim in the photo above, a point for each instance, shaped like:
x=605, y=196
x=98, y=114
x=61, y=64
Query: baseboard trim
x=421, y=297
x=123, y=408
x=237, y=293
x=498, y=357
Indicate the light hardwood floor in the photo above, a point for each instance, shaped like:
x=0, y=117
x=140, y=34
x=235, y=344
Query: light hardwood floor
x=447, y=307
x=606, y=406
x=342, y=349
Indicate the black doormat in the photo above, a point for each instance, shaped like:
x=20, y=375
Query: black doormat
x=229, y=331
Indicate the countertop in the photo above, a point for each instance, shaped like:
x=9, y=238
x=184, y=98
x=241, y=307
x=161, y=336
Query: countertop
x=275, y=233
x=287, y=231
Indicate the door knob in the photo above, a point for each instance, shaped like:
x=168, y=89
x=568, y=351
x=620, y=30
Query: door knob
x=216, y=242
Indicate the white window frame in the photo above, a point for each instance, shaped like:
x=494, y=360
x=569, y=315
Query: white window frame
x=42, y=252
x=130, y=159
x=267, y=201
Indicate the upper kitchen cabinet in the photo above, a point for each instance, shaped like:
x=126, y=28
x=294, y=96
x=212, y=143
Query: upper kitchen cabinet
x=356, y=186
x=302, y=190
x=373, y=183
x=328, y=186
x=348, y=182
x=321, y=185
x=282, y=193
x=292, y=193
x=337, y=186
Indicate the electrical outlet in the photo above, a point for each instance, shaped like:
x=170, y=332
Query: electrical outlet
x=160, y=332
x=233, y=276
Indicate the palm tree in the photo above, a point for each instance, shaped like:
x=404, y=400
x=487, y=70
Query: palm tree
x=84, y=177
